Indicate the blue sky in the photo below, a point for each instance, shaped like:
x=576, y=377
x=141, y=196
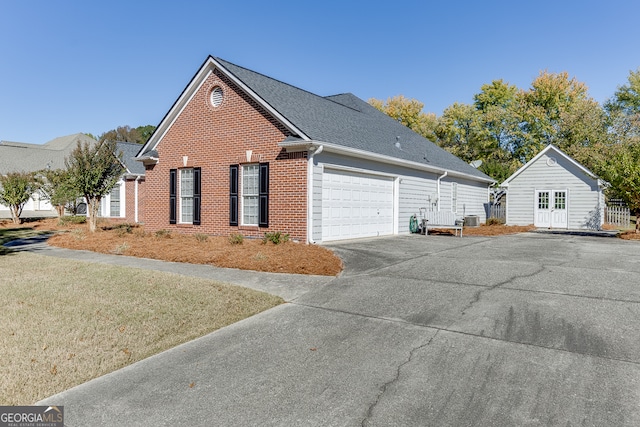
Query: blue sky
x=89, y=66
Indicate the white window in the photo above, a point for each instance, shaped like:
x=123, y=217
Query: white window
x=186, y=196
x=114, y=202
x=250, y=193
x=454, y=197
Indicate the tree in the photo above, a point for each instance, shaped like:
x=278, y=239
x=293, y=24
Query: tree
x=60, y=190
x=94, y=169
x=621, y=169
x=409, y=113
x=619, y=162
x=15, y=190
x=556, y=110
x=139, y=135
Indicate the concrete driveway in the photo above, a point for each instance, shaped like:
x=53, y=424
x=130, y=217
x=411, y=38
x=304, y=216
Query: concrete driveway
x=519, y=330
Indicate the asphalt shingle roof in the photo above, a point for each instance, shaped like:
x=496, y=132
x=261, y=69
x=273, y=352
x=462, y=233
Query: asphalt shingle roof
x=23, y=157
x=129, y=152
x=348, y=121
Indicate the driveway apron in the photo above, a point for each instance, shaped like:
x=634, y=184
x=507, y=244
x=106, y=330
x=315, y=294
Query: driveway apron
x=527, y=329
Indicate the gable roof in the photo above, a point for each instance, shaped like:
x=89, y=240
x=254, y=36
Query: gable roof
x=341, y=122
x=557, y=152
x=129, y=152
x=24, y=157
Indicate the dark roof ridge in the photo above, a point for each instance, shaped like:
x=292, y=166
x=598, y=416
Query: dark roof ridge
x=271, y=78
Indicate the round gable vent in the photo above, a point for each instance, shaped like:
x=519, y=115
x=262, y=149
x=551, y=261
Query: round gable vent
x=216, y=96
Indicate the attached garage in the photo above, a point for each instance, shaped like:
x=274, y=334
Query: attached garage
x=356, y=205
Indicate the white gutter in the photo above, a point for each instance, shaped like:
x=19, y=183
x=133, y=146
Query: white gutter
x=362, y=154
x=318, y=150
x=135, y=197
x=438, y=186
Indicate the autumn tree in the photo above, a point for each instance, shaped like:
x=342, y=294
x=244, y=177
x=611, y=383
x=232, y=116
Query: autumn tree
x=556, y=110
x=94, y=169
x=15, y=190
x=409, y=112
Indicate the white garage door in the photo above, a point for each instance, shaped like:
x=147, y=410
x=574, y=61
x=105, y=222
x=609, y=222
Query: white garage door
x=356, y=205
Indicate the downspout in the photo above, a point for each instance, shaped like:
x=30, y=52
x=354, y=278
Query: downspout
x=318, y=150
x=135, y=200
x=439, y=178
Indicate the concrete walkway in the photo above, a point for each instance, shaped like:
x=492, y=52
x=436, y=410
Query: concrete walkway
x=530, y=329
x=287, y=286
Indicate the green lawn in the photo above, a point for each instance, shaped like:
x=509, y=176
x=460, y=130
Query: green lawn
x=65, y=322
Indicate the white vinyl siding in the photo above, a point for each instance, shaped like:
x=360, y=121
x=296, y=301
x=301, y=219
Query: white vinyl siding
x=582, y=198
x=250, y=193
x=454, y=197
x=413, y=190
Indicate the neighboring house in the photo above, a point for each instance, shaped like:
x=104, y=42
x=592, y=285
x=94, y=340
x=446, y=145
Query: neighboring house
x=554, y=191
x=121, y=203
x=124, y=199
x=24, y=157
x=240, y=152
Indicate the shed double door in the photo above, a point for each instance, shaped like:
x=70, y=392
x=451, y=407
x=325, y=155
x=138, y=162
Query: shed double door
x=550, y=210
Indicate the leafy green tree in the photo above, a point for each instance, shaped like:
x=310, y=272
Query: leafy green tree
x=621, y=168
x=619, y=162
x=93, y=171
x=15, y=190
x=459, y=131
x=145, y=133
x=556, y=110
x=138, y=135
x=60, y=190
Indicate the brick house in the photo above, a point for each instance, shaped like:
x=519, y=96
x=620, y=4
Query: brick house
x=240, y=152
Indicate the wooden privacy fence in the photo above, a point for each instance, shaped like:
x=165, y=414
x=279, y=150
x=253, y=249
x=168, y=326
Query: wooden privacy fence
x=497, y=211
x=617, y=215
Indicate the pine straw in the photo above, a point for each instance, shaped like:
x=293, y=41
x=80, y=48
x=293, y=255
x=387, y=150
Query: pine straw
x=288, y=257
x=487, y=230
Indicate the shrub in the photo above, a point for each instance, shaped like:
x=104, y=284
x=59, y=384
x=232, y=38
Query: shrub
x=72, y=219
x=78, y=234
x=276, y=237
x=120, y=249
x=124, y=228
x=494, y=221
x=166, y=234
x=200, y=237
x=236, y=239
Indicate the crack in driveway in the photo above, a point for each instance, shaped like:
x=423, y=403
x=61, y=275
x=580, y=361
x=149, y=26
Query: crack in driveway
x=393, y=380
x=480, y=292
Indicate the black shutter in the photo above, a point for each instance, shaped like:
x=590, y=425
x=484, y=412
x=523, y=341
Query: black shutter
x=263, y=195
x=173, y=187
x=197, y=173
x=233, y=195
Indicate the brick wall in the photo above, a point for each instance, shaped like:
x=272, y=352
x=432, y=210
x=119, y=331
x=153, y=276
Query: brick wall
x=213, y=138
x=130, y=200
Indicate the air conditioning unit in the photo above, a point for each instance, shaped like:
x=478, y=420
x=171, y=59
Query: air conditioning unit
x=472, y=221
